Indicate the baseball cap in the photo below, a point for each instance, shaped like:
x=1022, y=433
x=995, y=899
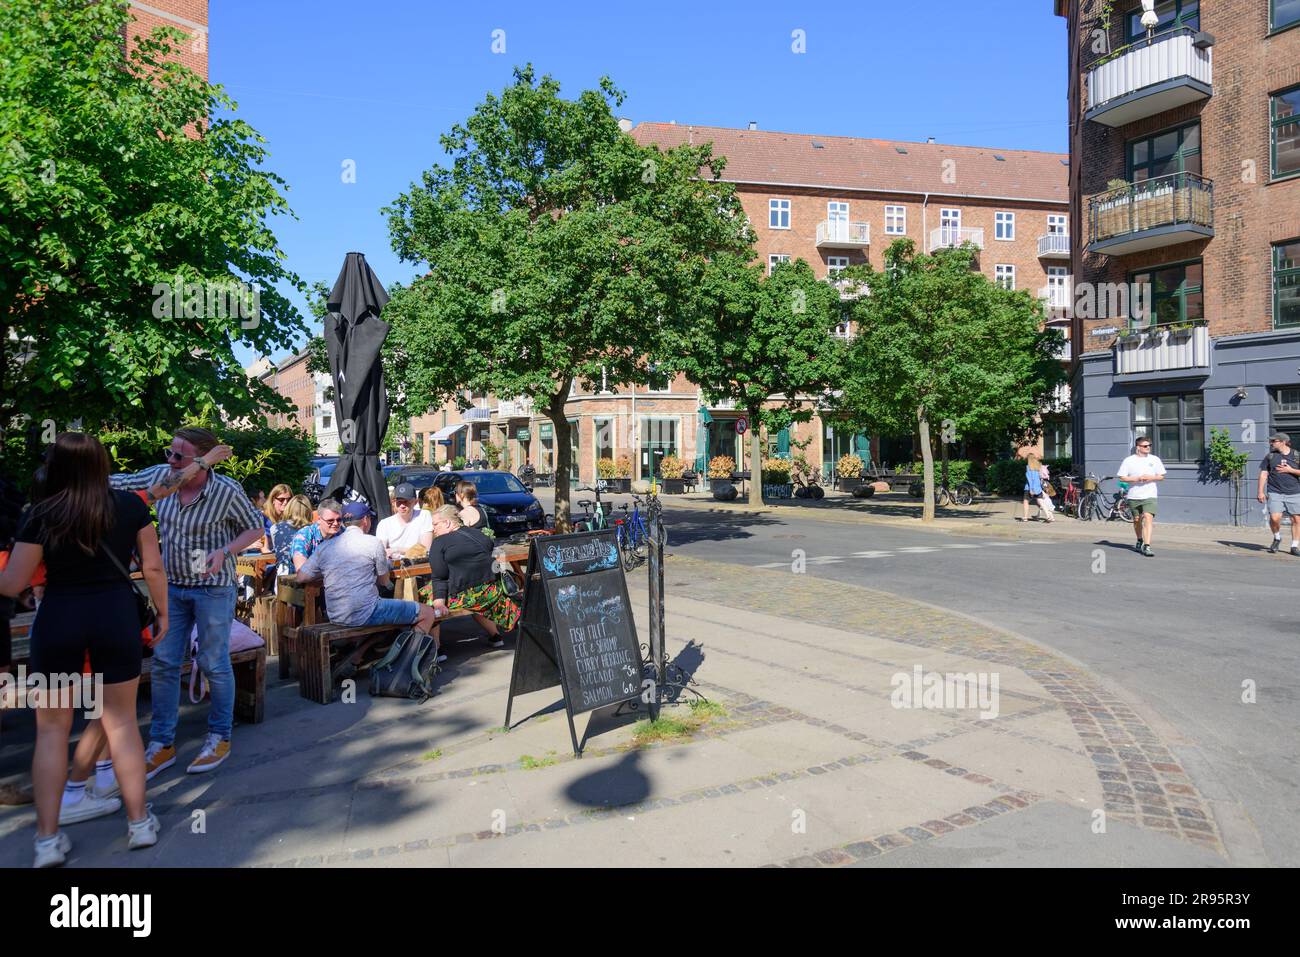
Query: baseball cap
x=355, y=510
x=1279, y=437
x=404, y=490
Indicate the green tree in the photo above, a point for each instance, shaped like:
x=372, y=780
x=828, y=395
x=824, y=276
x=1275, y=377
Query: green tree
x=765, y=342
x=557, y=247
x=937, y=343
x=135, y=250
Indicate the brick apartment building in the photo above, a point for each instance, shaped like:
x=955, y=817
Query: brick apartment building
x=189, y=16
x=291, y=379
x=832, y=201
x=1186, y=183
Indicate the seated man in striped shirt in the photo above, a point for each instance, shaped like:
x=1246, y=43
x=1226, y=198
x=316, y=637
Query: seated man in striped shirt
x=203, y=526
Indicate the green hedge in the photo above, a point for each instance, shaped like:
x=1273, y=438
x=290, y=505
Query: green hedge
x=1008, y=476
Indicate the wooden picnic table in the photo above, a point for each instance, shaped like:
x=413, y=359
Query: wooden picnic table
x=259, y=611
x=405, y=575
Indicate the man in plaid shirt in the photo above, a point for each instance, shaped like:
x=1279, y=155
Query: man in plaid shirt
x=203, y=526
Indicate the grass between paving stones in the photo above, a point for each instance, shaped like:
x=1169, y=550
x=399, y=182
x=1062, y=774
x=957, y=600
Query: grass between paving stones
x=433, y=755
x=674, y=726
x=530, y=763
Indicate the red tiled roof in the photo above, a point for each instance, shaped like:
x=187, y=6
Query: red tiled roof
x=846, y=162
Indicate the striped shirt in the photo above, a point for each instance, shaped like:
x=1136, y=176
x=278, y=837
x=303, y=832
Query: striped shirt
x=189, y=533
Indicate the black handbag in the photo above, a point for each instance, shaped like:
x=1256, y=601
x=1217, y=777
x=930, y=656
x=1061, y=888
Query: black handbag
x=144, y=605
x=408, y=670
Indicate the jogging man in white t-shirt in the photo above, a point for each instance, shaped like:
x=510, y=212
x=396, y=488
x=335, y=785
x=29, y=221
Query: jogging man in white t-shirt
x=1142, y=471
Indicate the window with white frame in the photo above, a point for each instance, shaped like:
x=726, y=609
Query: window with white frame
x=1004, y=226
x=837, y=212
x=775, y=259
x=1005, y=276
x=778, y=213
x=1058, y=225
x=835, y=264
x=895, y=220
x=1058, y=286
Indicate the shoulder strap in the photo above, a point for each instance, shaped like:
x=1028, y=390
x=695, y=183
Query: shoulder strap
x=118, y=565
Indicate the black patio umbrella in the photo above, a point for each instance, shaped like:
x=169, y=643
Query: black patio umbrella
x=354, y=335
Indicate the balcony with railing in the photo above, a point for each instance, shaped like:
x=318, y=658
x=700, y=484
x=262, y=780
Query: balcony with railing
x=1056, y=297
x=1150, y=76
x=1054, y=246
x=841, y=234
x=1164, y=348
x=1163, y=211
x=948, y=237
x=518, y=408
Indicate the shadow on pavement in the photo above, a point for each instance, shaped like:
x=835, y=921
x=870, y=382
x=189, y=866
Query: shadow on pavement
x=687, y=528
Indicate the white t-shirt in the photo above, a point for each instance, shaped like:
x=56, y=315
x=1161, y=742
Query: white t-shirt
x=400, y=536
x=1141, y=466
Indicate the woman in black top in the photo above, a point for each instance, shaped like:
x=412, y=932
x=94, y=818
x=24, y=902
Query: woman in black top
x=464, y=576
x=89, y=608
x=471, y=513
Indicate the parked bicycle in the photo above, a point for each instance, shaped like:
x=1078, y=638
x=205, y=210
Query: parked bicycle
x=633, y=534
x=963, y=493
x=809, y=485
x=1069, y=495
x=594, y=517
x=1105, y=506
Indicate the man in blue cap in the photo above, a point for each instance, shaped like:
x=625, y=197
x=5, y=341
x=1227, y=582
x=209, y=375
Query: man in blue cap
x=353, y=566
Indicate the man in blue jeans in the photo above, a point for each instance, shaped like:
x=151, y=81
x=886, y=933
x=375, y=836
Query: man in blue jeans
x=203, y=526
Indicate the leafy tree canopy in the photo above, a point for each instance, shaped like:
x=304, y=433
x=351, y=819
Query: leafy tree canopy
x=135, y=249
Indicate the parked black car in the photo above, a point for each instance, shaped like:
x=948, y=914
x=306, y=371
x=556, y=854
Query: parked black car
x=510, y=507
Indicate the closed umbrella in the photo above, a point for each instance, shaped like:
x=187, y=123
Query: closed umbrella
x=354, y=336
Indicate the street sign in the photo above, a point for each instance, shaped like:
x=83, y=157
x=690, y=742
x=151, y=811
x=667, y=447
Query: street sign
x=742, y=425
x=523, y=435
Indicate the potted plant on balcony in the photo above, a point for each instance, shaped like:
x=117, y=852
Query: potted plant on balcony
x=849, y=469
x=1180, y=331
x=671, y=470
x=721, y=468
x=1130, y=336
x=776, y=478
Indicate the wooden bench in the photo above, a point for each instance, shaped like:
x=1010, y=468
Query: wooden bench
x=249, y=667
x=326, y=653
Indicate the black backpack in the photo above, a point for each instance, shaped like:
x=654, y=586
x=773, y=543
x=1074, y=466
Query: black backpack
x=408, y=670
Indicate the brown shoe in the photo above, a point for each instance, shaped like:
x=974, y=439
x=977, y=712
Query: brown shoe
x=12, y=795
x=158, y=758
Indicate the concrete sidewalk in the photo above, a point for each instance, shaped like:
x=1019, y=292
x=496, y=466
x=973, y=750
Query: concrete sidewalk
x=812, y=763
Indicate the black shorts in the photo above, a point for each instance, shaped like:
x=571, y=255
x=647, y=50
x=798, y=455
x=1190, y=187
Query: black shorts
x=101, y=620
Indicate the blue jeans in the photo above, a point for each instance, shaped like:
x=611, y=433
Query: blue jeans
x=212, y=608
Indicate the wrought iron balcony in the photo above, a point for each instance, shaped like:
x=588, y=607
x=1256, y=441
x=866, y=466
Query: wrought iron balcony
x=1163, y=211
x=1150, y=76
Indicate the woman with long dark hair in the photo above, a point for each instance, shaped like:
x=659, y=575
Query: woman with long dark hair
x=85, y=533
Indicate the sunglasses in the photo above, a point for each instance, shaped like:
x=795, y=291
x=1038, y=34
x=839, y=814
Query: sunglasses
x=331, y=521
x=173, y=456
x=283, y=498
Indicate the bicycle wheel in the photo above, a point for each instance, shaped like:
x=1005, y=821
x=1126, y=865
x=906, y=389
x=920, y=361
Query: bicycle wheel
x=1085, y=507
x=964, y=495
x=1123, y=511
x=942, y=498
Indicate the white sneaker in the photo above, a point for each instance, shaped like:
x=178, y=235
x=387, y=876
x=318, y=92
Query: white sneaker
x=113, y=790
x=88, y=808
x=51, y=852
x=143, y=833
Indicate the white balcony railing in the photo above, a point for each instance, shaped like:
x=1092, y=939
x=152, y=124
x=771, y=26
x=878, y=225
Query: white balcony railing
x=1150, y=76
x=946, y=237
x=1160, y=349
x=841, y=234
x=1054, y=246
x=515, y=408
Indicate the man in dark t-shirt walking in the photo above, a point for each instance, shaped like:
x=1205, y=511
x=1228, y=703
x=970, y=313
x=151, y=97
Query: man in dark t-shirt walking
x=1279, y=487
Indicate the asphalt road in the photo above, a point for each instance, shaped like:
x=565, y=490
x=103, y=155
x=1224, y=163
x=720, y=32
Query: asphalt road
x=1180, y=634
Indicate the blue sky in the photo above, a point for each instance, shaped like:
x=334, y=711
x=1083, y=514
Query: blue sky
x=326, y=81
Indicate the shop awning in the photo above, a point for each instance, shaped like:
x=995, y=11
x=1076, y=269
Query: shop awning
x=446, y=432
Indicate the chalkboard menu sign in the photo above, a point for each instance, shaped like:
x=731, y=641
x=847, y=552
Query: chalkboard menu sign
x=577, y=629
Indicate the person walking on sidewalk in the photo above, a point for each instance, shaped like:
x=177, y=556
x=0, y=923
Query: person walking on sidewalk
x=1034, y=490
x=203, y=527
x=1142, y=471
x=1279, y=487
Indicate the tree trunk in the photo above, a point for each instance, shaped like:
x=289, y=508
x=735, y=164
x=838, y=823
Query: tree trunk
x=563, y=460
x=927, y=466
x=943, y=448
x=755, y=461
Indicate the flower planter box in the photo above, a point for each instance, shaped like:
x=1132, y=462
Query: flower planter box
x=618, y=484
x=851, y=485
x=719, y=485
x=673, y=486
x=724, y=491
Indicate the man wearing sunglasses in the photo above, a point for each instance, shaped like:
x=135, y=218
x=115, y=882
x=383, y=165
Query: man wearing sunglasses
x=1279, y=488
x=203, y=526
x=329, y=522
x=1142, y=471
